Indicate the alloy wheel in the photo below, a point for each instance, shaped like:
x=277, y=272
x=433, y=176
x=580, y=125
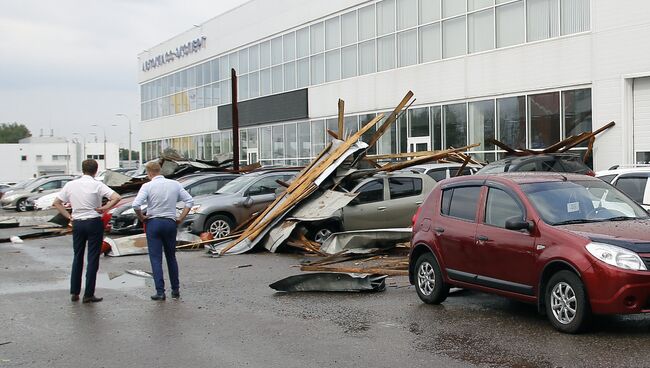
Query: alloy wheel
x=22, y=206
x=219, y=229
x=426, y=278
x=564, y=304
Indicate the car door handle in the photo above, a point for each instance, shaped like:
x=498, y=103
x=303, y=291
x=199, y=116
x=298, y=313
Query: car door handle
x=418, y=203
x=482, y=238
x=439, y=229
x=381, y=208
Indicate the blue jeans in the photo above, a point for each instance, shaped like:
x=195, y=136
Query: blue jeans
x=161, y=237
x=89, y=231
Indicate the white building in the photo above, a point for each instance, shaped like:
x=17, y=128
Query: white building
x=52, y=155
x=527, y=72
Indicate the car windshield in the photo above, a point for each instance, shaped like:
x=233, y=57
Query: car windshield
x=581, y=201
x=238, y=184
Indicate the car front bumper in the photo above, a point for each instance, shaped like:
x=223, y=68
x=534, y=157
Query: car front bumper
x=617, y=291
x=194, y=224
x=125, y=224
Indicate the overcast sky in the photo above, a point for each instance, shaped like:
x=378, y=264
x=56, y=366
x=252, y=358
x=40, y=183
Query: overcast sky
x=69, y=64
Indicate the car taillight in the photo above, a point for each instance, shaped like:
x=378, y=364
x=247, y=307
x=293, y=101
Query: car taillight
x=414, y=219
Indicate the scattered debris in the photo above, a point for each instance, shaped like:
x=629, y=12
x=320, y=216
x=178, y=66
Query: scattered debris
x=137, y=244
x=365, y=239
x=334, y=282
x=9, y=223
x=113, y=275
x=5, y=343
x=243, y=266
x=140, y=273
x=16, y=239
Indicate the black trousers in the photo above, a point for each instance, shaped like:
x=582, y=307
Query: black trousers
x=89, y=231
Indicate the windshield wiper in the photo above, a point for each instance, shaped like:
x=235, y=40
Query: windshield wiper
x=620, y=218
x=577, y=221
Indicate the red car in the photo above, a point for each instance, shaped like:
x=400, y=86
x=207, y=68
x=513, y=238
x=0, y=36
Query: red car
x=572, y=244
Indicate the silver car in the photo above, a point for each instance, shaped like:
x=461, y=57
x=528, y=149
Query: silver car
x=444, y=171
x=383, y=201
x=17, y=199
x=236, y=202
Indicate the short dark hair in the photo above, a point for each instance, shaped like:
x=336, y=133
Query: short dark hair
x=89, y=167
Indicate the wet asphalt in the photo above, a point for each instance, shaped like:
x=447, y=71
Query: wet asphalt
x=229, y=317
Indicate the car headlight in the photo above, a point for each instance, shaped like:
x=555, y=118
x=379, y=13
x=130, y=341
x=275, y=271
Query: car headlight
x=195, y=209
x=616, y=256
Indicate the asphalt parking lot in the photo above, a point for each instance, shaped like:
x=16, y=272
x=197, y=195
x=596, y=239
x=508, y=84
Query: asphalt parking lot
x=229, y=317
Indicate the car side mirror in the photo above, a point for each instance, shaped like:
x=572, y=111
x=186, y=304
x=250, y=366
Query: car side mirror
x=248, y=202
x=516, y=223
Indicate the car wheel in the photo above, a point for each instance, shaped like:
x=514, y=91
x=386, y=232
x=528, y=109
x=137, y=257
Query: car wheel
x=566, y=302
x=219, y=226
x=321, y=232
x=429, y=284
x=21, y=205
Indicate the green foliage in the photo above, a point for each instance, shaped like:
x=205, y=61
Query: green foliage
x=13, y=132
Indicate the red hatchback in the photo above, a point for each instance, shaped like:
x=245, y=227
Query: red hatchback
x=572, y=244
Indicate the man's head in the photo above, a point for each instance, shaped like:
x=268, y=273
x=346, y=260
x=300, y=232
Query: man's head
x=153, y=169
x=89, y=167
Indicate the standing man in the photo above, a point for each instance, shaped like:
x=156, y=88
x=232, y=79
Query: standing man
x=85, y=196
x=161, y=195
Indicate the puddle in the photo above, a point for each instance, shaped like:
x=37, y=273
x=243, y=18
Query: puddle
x=124, y=281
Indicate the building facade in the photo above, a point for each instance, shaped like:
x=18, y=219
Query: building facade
x=526, y=72
x=36, y=156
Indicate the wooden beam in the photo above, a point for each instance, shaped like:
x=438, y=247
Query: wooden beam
x=462, y=167
x=425, y=159
x=590, y=149
x=588, y=136
x=391, y=119
x=332, y=134
x=341, y=133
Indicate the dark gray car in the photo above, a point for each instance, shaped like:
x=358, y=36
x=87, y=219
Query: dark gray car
x=236, y=202
x=17, y=199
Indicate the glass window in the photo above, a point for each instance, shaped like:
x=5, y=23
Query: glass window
x=436, y=119
x=403, y=132
x=317, y=38
x=317, y=136
x=478, y=4
x=544, y=118
x=303, y=73
x=302, y=42
x=289, y=76
x=233, y=59
x=429, y=43
x=419, y=122
x=607, y=178
x=199, y=75
x=276, y=51
x=317, y=69
x=266, y=143
x=254, y=57
x=183, y=80
x=385, y=17
x=510, y=24
x=367, y=57
x=404, y=187
x=265, y=82
x=388, y=141
x=207, y=78
x=386, y=53
x=500, y=207
x=453, y=41
x=243, y=61
x=204, y=188
x=349, y=61
x=351, y=124
x=214, y=66
x=542, y=20
x=333, y=65
x=633, y=187
x=481, y=30
x=367, y=22
x=463, y=203
x=265, y=54
x=276, y=79
x=363, y=120
x=452, y=7
x=200, y=101
x=225, y=89
x=371, y=192
x=429, y=10
x=224, y=67
x=332, y=33
x=332, y=125
x=438, y=174
x=242, y=87
x=191, y=78
x=455, y=125
x=577, y=111
x=407, y=14
x=266, y=185
x=254, y=85
x=304, y=139
x=407, y=48
x=177, y=82
x=349, y=28
x=481, y=124
x=574, y=15
x=291, y=142
x=289, y=46
x=512, y=121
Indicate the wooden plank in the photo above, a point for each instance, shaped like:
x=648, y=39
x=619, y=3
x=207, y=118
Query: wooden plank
x=462, y=167
x=391, y=119
x=588, y=136
x=590, y=149
x=333, y=134
x=505, y=147
x=425, y=159
x=341, y=133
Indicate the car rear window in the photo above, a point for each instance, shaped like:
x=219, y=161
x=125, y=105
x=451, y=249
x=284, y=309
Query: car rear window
x=461, y=202
x=438, y=174
x=633, y=187
x=404, y=187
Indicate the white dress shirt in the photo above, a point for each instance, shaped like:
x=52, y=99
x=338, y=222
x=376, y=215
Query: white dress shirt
x=84, y=195
x=161, y=195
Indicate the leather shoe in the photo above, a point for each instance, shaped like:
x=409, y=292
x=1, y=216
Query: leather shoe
x=158, y=297
x=74, y=297
x=91, y=299
x=176, y=294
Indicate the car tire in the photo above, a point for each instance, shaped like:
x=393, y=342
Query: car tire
x=21, y=205
x=567, y=306
x=219, y=226
x=429, y=283
x=319, y=233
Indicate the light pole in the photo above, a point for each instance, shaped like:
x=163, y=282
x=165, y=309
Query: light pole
x=129, y=119
x=104, y=130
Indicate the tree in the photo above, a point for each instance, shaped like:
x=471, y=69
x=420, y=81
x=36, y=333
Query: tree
x=13, y=132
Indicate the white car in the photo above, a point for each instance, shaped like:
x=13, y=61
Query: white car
x=633, y=181
x=45, y=202
x=444, y=171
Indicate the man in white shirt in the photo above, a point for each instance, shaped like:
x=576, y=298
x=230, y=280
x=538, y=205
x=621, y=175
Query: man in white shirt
x=85, y=196
x=161, y=195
